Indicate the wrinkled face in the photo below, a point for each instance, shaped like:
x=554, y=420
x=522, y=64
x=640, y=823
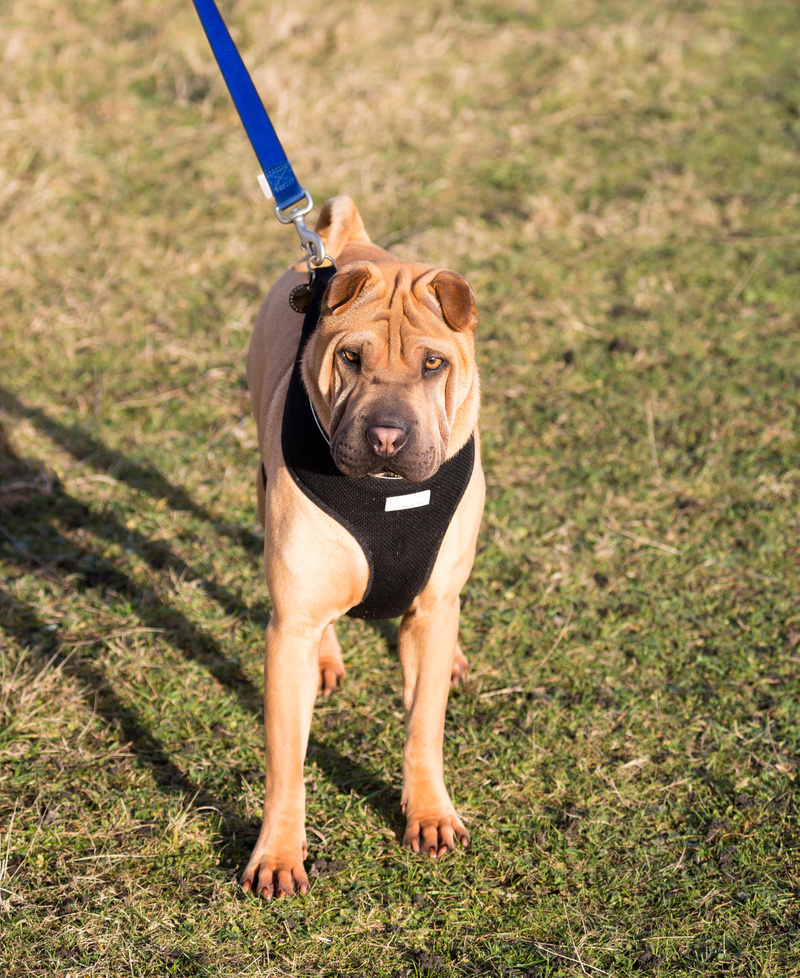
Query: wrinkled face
x=391, y=365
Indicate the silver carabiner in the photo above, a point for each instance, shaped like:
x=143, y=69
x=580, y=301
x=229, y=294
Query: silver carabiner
x=310, y=241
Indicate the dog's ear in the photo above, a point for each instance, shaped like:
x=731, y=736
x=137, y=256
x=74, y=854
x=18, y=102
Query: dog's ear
x=339, y=224
x=456, y=301
x=346, y=286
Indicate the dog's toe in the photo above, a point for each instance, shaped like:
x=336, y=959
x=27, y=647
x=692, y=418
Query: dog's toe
x=435, y=836
x=270, y=878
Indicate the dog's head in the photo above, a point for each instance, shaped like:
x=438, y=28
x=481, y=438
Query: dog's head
x=391, y=368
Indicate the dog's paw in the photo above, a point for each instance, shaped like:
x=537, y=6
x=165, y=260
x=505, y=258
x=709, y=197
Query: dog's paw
x=460, y=667
x=271, y=877
x=331, y=664
x=331, y=673
x=435, y=836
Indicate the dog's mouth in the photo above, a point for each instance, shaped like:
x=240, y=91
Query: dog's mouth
x=386, y=473
x=412, y=467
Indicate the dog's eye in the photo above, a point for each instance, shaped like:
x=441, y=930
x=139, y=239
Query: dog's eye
x=433, y=363
x=351, y=356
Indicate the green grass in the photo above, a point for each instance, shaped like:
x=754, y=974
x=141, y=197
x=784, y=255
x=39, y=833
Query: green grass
x=619, y=182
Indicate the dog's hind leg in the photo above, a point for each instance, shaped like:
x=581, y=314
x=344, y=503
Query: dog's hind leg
x=460, y=667
x=331, y=665
x=261, y=491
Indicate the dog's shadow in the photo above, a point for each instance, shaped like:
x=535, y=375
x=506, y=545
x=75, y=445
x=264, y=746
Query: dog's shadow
x=35, y=512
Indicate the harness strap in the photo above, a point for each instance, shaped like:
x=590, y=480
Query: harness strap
x=263, y=138
x=398, y=525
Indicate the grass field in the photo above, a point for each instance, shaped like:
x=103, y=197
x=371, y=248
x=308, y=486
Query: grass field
x=620, y=182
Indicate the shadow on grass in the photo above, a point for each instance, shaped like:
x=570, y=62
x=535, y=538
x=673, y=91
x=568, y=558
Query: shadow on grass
x=386, y=630
x=91, y=452
x=22, y=619
x=46, y=532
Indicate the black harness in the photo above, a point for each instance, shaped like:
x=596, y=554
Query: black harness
x=398, y=524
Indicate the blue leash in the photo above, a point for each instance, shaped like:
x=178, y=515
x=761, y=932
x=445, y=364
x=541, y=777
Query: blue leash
x=278, y=172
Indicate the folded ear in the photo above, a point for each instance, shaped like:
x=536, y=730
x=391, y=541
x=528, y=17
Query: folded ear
x=456, y=300
x=348, y=284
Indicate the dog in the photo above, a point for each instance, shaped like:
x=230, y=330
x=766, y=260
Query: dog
x=388, y=382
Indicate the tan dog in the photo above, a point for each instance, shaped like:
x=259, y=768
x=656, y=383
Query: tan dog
x=390, y=372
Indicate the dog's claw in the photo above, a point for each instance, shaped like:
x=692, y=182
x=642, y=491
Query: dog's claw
x=269, y=881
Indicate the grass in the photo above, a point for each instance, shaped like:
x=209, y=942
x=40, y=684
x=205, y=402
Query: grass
x=619, y=183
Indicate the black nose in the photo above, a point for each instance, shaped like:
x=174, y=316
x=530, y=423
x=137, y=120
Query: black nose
x=387, y=441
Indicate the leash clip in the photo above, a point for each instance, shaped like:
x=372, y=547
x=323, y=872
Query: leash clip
x=310, y=241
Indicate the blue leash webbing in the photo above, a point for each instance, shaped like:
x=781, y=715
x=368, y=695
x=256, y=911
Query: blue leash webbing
x=263, y=138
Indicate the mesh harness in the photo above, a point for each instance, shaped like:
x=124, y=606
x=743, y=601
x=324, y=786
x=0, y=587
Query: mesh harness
x=399, y=525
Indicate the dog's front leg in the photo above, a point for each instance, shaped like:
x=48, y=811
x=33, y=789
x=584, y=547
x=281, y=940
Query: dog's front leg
x=291, y=679
x=427, y=644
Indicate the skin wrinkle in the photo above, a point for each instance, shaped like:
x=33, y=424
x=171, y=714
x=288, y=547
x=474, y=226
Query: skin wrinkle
x=393, y=317
x=384, y=389
x=311, y=586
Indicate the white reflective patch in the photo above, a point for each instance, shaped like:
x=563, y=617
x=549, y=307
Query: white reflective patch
x=411, y=501
x=266, y=190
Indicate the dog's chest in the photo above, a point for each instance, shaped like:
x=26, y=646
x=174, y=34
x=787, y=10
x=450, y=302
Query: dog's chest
x=399, y=525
